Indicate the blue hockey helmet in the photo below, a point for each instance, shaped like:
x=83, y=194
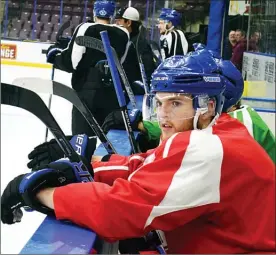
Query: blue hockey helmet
x=164, y=12
x=104, y=8
x=234, y=84
x=196, y=74
x=172, y=16
x=233, y=77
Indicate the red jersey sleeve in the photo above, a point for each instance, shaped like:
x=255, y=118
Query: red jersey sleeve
x=118, y=166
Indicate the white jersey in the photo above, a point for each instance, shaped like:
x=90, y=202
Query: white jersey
x=173, y=43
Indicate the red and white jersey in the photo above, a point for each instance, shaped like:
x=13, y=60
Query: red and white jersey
x=210, y=191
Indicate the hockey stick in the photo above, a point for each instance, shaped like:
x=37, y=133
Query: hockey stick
x=31, y=102
x=64, y=26
x=39, y=85
x=118, y=89
x=93, y=43
x=141, y=65
x=58, y=36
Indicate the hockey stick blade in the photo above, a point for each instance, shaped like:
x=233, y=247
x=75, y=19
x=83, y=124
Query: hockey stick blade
x=118, y=89
x=96, y=44
x=31, y=102
x=39, y=85
x=64, y=26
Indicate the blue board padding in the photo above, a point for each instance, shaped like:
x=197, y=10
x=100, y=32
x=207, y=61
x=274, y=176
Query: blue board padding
x=119, y=140
x=60, y=237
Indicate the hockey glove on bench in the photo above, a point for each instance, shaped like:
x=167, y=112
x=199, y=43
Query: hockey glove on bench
x=50, y=151
x=114, y=120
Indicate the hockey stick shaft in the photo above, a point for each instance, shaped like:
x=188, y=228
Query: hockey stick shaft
x=31, y=102
x=50, y=101
x=141, y=65
x=118, y=89
x=59, y=34
x=39, y=85
x=97, y=44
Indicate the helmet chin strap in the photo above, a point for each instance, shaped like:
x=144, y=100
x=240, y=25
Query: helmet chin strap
x=169, y=30
x=200, y=111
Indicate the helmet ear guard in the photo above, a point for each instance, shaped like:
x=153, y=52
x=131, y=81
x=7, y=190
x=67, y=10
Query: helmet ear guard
x=232, y=76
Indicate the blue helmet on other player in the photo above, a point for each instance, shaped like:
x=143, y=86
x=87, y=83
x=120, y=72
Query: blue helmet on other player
x=164, y=12
x=234, y=84
x=104, y=8
x=233, y=77
x=170, y=15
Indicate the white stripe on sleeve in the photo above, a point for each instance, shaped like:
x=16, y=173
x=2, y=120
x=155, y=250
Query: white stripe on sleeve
x=148, y=160
x=137, y=157
x=184, y=42
x=197, y=181
x=110, y=168
x=77, y=50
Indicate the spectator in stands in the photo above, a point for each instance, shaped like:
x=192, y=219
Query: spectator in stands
x=254, y=41
x=239, y=49
x=229, y=45
x=129, y=18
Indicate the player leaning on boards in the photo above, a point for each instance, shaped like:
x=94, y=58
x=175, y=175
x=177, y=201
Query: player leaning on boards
x=195, y=186
x=172, y=41
x=87, y=78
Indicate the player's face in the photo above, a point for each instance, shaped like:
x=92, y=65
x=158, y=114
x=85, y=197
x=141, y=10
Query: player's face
x=124, y=23
x=232, y=36
x=175, y=113
x=120, y=22
x=239, y=36
x=162, y=26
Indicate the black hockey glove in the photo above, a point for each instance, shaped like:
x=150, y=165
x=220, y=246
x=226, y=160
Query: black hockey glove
x=53, y=50
x=22, y=190
x=114, y=120
x=50, y=151
x=63, y=42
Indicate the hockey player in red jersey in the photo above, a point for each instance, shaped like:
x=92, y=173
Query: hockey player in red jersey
x=209, y=185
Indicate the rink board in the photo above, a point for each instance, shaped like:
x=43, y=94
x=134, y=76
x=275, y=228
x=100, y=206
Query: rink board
x=60, y=237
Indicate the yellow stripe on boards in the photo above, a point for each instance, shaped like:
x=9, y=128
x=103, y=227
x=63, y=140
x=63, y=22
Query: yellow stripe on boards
x=25, y=64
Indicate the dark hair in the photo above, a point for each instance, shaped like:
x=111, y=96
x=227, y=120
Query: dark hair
x=135, y=25
x=238, y=105
x=241, y=31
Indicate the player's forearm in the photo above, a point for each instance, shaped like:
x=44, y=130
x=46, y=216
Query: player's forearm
x=46, y=197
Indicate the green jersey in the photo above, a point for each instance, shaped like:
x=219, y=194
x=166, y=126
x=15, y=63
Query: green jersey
x=248, y=116
x=257, y=128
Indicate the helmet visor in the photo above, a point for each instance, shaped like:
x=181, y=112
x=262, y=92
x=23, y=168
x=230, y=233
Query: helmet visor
x=173, y=106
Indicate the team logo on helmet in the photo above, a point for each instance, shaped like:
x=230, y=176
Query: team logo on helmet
x=102, y=12
x=161, y=78
x=211, y=79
